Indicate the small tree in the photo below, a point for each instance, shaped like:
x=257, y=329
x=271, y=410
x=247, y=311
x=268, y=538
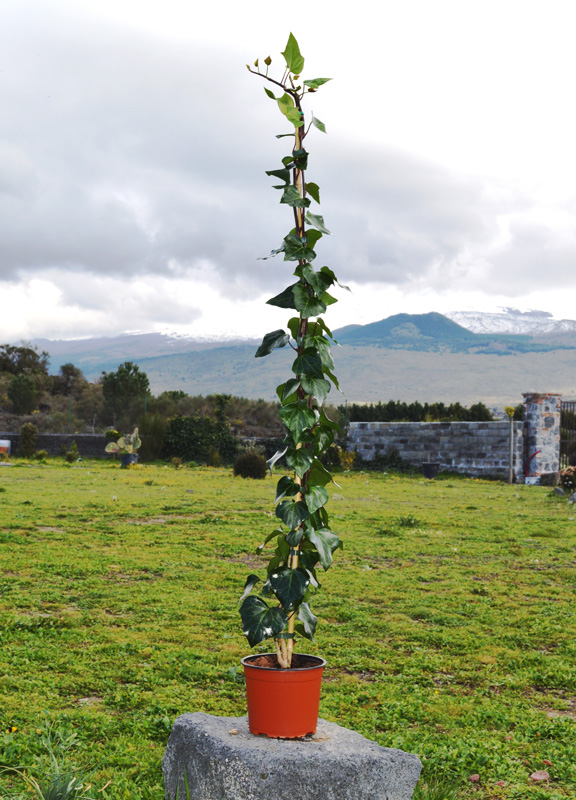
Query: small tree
x=27, y=440
x=22, y=394
x=124, y=391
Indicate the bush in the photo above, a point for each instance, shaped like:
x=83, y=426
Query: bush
x=196, y=438
x=27, y=440
x=40, y=455
x=251, y=465
x=71, y=453
x=567, y=479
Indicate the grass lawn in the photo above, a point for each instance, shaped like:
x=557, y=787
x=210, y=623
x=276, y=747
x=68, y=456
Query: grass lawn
x=448, y=621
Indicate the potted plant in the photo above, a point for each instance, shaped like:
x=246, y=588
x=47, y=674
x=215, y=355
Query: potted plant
x=303, y=540
x=126, y=447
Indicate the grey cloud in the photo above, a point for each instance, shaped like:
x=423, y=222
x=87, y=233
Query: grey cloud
x=121, y=155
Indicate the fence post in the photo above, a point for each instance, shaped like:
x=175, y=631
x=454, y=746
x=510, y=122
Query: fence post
x=542, y=435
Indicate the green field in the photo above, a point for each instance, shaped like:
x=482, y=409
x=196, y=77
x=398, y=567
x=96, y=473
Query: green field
x=447, y=622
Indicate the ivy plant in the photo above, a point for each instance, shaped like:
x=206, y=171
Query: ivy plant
x=303, y=539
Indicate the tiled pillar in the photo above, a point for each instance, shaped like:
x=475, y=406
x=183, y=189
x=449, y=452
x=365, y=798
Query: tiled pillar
x=541, y=434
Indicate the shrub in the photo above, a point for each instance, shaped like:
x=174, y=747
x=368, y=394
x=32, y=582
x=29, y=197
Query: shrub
x=71, y=453
x=27, y=440
x=152, y=431
x=40, y=455
x=567, y=479
x=251, y=465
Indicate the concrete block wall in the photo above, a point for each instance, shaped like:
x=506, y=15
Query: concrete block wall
x=472, y=448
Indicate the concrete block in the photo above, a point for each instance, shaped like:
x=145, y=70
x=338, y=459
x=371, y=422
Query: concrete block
x=224, y=761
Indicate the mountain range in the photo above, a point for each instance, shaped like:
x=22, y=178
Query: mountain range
x=464, y=356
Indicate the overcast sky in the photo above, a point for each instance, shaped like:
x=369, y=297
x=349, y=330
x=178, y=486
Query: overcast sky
x=134, y=144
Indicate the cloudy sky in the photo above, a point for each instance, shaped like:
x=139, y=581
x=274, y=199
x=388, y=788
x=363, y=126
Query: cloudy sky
x=133, y=145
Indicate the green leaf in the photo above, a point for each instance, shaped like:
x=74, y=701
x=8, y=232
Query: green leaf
x=319, y=475
x=312, y=236
x=293, y=56
x=251, y=582
x=308, y=363
x=318, y=124
x=295, y=537
x=300, y=460
x=292, y=513
x=271, y=94
x=317, y=221
x=285, y=299
x=316, y=497
x=291, y=197
x=328, y=299
x=275, y=533
x=294, y=326
x=286, y=486
x=289, y=391
x=297, y=417
x=307, y=303
x=271, y=341
x=259, y=621
x=323, y=438
x=295, y=249
x=308, y=621
x=289, y=586
x=319, y=281
x=316, y=387
x=315, y=83
x=300, y=159
x=325, y=542
x=332, y=377
x=281, y=174
x=314, y=191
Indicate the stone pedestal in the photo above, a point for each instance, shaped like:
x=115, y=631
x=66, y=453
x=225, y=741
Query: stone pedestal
x=224, y=761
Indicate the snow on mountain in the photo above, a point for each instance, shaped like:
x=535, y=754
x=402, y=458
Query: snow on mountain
x=511, y=320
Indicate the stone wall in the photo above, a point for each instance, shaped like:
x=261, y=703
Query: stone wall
x=542, y=433
x=90, y=445
x=472, y=448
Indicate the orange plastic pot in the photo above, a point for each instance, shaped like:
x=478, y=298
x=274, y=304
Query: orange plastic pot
x=283, y=703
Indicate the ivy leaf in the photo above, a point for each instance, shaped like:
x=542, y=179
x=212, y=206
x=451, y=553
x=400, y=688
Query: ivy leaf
x=325, y=542
x=259, y=621
x=306, y=303
x=251, y=582
x=292, y=513
x=281, y=174
x=291, y=197
x=285, y=299
x=316, y=387
x=308, y=620
x=319, y=281
x=312, y=236
x=308, y=363
x=289, y=586
x=289, y=390
x=316, y=497
x=271, y=341
x=314, y=191
x=294, y=537
x=300, y=159
x=315, y=83
x=276, y=533
x=328, y=299
x=318, y=124
x=271, y=94
x=286, y=486
x=300, y=460
x=323, y=438
x=293, y=57
x=317, y=221
x=297, y=417
x=319, y=475
x=284, y=135
x=294, y=326
x=295, y=248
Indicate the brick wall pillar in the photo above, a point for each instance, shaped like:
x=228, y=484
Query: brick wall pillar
x=541, y=434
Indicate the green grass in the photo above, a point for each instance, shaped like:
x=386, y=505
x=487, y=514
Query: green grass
x=447, y=621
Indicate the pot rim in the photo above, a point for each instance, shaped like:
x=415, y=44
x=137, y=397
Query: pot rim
x=246, y=663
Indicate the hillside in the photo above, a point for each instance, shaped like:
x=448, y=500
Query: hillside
x=405, y=357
